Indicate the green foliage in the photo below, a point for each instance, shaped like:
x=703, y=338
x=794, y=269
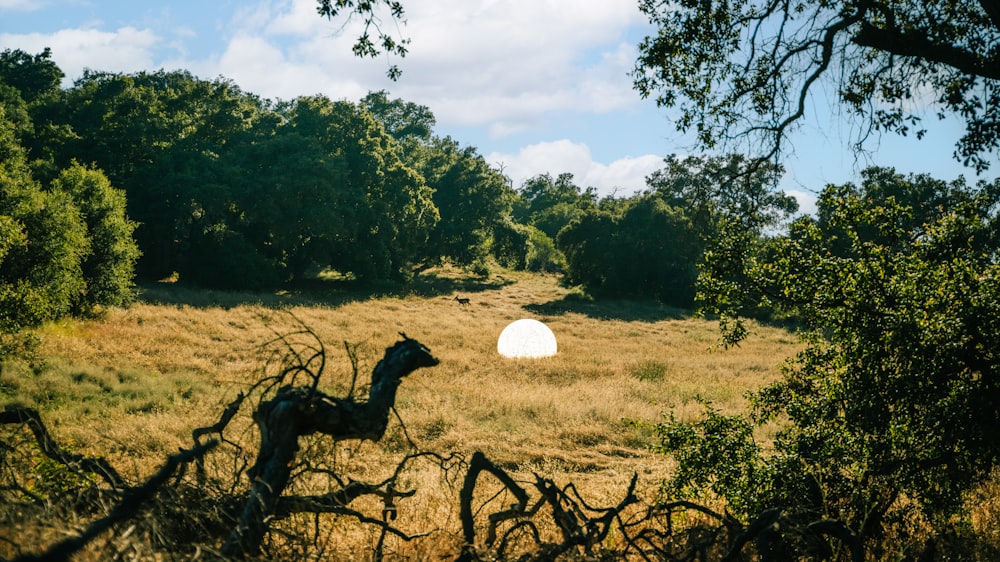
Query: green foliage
x=649, y=245
x=891, y=406
x=402, y=120
x=44, y=244
x=33, y=76
x=109, y=269
x=50, y=477
x=224, y=259
x=234, y=192
x=472, y=198
x=742, y=72
x=718, y=191
x=510, y=244
x=542, y=254
x=367, y=10
x=716, y=454
x=63, y=250
x=161, y=137
x=549, y=204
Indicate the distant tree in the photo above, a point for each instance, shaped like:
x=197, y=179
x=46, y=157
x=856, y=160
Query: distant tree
x=28, y=85
x=402, y=120
x=588, y=243
x=33, y=76
x=651, y=250
x=161, y=138
x=743, y=71
x=388, y=207
x=717, y=190
x=541, y=253
x=509, y=245
x=473, y=200
x=650, y=245
x=550, y=204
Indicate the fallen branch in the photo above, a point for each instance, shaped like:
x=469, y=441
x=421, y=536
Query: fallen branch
x=13, y=414
x=579, y=524
x=126, y=508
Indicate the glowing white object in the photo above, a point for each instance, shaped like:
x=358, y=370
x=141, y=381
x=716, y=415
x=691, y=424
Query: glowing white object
x=526, y=338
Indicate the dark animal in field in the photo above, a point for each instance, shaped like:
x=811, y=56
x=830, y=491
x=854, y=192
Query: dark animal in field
x=462, y=301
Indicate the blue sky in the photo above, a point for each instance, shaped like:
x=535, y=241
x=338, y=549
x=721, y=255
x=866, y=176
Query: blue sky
x=536, y=85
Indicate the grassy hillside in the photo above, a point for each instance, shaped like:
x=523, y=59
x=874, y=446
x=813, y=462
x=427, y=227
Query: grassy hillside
x=133, y=384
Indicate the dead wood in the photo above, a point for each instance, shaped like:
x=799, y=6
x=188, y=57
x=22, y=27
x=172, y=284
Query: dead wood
x=579, y=524
x=132, y=501
x=294, y=412
x=13, y=414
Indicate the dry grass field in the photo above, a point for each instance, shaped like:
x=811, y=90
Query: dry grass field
x=133, y=384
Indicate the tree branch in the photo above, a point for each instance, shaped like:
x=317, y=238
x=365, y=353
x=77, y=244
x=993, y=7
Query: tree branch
x=48, y=446
x=992, y=9
x=125, y=509
x=917, y=45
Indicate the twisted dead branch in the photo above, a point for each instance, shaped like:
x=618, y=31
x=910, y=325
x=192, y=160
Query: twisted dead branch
x=299, y=411
x=579, y=524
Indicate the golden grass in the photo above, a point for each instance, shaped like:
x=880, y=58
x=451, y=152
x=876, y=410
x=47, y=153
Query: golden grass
x=134, y=383
x=616, y=361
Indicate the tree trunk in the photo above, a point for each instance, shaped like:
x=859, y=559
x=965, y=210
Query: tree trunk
x=297, y=411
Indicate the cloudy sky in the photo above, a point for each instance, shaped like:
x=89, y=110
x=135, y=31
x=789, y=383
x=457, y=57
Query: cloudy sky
x=535, y=85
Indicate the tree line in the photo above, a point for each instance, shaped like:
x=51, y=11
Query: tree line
x=161, y=174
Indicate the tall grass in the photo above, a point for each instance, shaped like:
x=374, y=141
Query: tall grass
x=133, y=384
x=179, y=354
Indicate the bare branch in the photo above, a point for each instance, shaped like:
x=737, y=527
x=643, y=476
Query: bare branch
x=126, y=508
x=29, y=417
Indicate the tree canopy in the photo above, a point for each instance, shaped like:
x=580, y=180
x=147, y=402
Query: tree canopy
x=741, y=72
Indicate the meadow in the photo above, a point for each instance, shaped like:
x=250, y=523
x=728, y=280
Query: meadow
x=132, y=384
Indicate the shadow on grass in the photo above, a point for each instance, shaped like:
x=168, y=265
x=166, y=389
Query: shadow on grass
x=611, y=309
x=320, y=292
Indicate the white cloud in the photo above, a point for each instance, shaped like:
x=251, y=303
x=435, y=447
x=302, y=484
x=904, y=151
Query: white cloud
x=126, y=49
x=806, y=200
x=21, y=5
x=505, y=64
x=623, y=177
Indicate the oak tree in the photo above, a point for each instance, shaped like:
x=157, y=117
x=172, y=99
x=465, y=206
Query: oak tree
x=742, y=72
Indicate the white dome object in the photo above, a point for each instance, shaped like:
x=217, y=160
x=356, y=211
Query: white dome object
x=526, y=338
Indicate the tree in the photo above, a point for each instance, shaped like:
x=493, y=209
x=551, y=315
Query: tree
x=472, y=198
x=33, y=76
x=402, y=120
x=717, y=190
x=890, y=407
x=43, y=246
x=109, y=269
x=549, y=204
x=162, y=138
x=743, y=71
x=387, y=206
x=650, y=250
